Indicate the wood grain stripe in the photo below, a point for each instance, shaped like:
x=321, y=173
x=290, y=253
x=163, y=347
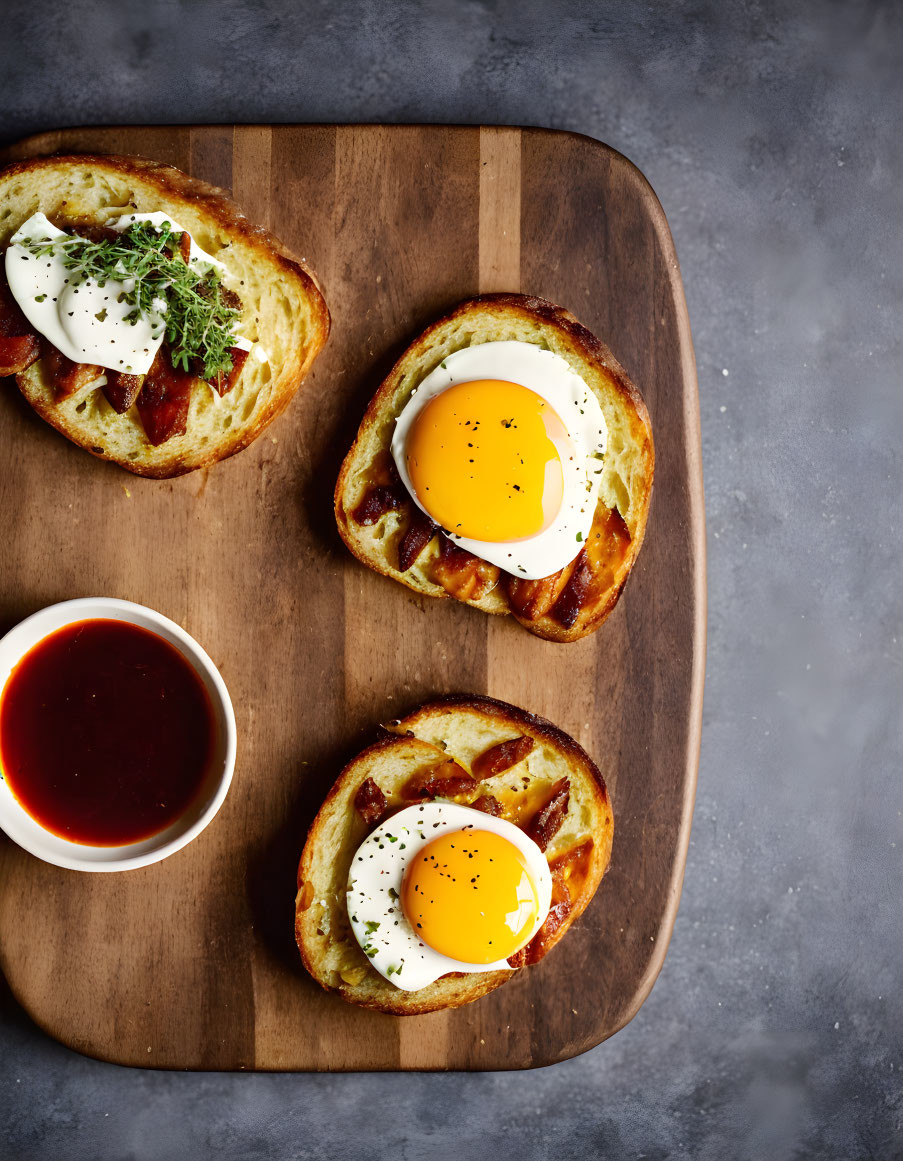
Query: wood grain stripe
x=517, y=661
x=499, y=238
x=212, y=155
x=520, y=665
x=252, y=147
x=401, y=649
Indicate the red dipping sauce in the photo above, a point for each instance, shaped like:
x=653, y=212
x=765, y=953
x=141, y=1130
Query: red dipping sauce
x=106, y=733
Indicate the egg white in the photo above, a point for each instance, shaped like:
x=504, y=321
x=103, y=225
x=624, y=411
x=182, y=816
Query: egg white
x=377, y=871
x=552, y=378
x=85, y=320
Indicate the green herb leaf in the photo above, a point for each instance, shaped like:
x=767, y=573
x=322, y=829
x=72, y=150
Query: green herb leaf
x=196, y=315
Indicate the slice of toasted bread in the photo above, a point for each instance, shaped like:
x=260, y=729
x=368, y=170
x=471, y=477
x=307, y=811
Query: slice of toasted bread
x=575, y=601
x=461, y=728
x=283, y=308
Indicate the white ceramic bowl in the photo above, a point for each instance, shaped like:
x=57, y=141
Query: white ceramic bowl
x=19, y=824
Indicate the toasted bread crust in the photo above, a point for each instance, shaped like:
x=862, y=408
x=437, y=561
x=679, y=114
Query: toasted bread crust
x=154, y=186
x=504, y=316
x=461, y=727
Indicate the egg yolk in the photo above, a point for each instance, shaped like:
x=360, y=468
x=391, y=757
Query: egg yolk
x=468, y=894
x=484, y=460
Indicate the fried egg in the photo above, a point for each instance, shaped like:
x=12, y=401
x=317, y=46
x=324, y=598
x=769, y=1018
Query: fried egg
x=441, y=888
x=502, y=445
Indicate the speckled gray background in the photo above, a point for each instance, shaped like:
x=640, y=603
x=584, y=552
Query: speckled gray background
x=771, y=132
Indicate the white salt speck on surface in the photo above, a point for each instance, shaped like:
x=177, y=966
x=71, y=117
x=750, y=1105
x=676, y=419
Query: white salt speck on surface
x=723, y=408
x=836, y=1025
x=725, y=372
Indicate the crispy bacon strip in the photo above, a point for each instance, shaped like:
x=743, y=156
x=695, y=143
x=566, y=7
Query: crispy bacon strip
x=447, y=780
x=377, y=502
x=543, y=826
x=122, y=390
x=566, y=593
x=519, y=959
x=12, y=320
x=573, y=596
x=18, y=352
x=67, y=377
x=417, y=536
x=569, y=871
x=385, y=493
x=594, y=569
x=462, y=574
x=19, y=345
x=93, y=232
x=533, y=599
x=498, y=759
x=164, y=400
x=225, y=381
x=488, y=805
x=370, y=802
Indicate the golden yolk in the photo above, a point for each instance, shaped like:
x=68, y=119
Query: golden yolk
x=469, y=895
x=485, y=460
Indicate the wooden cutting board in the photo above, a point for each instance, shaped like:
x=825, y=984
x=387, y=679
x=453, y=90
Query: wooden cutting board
x=191, y=963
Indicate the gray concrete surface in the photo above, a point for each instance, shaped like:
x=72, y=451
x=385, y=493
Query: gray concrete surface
x=771, y=134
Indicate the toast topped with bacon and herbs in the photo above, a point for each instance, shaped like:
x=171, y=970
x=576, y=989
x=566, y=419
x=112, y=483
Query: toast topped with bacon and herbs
x=241, y=320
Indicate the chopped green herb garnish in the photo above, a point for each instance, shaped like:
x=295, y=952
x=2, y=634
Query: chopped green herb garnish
x=371, y=926
x=579, y=537
x=198, y=318
x=393, y=894
x=40, y=297
x=370, y=950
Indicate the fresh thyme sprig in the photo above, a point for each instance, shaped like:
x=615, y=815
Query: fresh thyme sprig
x=197, y=316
